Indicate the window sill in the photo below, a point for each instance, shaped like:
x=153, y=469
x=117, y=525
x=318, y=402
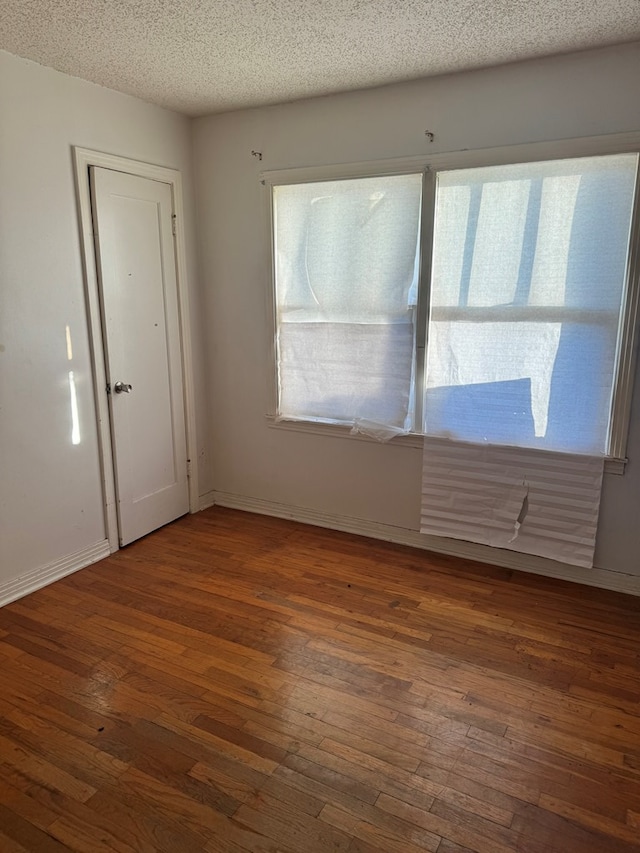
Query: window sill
x=413, y=440
x=342, y=431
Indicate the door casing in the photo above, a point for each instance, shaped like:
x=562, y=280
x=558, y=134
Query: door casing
x=83, y=159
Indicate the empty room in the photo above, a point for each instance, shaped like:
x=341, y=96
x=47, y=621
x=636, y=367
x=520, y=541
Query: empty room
x=319, y=426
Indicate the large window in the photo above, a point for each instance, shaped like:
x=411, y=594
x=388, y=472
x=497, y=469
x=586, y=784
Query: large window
x=504, y=319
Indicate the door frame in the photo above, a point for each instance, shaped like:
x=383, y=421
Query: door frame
x=83, y=158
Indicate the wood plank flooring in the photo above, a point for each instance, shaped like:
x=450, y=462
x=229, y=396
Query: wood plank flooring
x=237, y=683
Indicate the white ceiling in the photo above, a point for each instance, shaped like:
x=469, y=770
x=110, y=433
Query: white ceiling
x=203, y=56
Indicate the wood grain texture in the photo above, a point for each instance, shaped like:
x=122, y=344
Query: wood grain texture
x=237, y=683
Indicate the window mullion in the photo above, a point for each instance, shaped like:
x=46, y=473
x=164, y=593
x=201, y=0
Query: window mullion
x=626, y=351
x=427, y=222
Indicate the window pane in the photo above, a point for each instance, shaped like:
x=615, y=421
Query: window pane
x=529, y=266
x=346, y=260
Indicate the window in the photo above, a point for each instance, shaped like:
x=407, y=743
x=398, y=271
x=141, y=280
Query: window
x=529, y=265
x=346, y=286
x=517, y=332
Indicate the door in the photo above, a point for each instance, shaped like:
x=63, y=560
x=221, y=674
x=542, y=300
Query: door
x=141, y=331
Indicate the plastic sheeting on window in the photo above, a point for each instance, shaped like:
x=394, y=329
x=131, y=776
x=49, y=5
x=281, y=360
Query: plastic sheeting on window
x=529, y=268
x=346, y=261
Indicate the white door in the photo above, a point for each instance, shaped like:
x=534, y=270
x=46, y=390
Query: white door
x=141, y=330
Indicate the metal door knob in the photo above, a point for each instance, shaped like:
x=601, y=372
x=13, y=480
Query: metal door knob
x=122, y=388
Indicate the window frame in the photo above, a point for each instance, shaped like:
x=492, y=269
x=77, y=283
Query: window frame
x=429, y=166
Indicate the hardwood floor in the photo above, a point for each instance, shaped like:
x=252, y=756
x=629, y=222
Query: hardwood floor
x=237, y=683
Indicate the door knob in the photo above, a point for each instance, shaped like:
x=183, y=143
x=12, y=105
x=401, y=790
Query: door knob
x=122, y=388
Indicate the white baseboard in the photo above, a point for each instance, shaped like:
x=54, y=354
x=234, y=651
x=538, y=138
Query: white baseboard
x=601, y=578
x=207, y=500
x=36, y=579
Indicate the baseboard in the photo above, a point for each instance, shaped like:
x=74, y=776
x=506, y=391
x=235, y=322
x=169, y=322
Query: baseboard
x=207, y=500
x=601, y=578
x=36, y=579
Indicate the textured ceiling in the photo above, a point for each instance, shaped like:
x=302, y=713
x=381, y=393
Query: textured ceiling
x=202, y=56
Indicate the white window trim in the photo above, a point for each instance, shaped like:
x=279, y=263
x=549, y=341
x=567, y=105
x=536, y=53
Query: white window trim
x=525, y=153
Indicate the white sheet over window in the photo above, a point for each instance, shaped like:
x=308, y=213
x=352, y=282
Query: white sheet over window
x=529, y=267
x=524, y=500
x=346, y=261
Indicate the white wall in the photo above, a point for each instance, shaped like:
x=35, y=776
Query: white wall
x=579, y=95
x=50, y=493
